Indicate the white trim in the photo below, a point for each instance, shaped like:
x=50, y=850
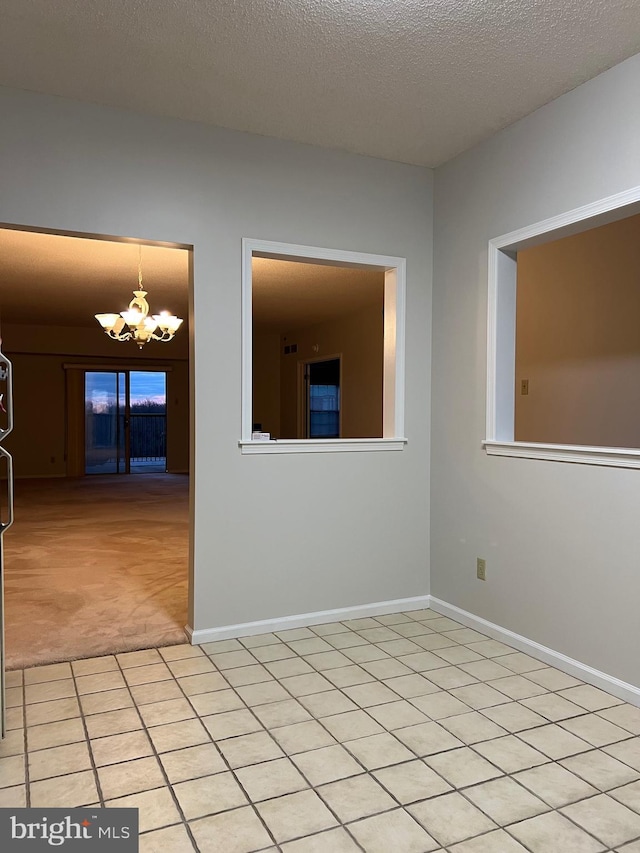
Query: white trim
x=321, y=445
x=501, y=320
x=492, y=300
x=611, y=208
x=293, y=252
x=303, y=620
x=394, y=331
x=613, y=457
x=246, y=426
x=501, y=345
x=609, y=683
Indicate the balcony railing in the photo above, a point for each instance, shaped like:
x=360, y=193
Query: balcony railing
x=147, y=437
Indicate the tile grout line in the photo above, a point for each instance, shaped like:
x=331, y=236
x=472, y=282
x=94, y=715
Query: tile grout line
x=87, y=739
x=552, y=810
x=375, y=680
x=366, y=771
x=156, y=754
x=369, y=773
x=223, y=758
x=27, y=772
x=297, y=653
x=455, y=788
x=555, y=810
x=266, y=730
x=287, y=756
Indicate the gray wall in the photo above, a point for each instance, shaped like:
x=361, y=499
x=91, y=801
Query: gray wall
x=561, y=540
x=258, y=552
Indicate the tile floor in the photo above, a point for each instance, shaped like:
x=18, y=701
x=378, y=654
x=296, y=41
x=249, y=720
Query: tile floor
x=405, y=733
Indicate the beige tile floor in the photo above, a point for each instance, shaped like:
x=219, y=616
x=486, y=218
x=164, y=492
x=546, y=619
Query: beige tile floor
x=401, y=734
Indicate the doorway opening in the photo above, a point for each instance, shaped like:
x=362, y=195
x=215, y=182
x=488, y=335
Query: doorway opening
x=95, y=565
x=125, y=421
x=321, y=395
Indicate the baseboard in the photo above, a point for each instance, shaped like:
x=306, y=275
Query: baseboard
x=39, y=476
x=609, y=683
x=304, y=620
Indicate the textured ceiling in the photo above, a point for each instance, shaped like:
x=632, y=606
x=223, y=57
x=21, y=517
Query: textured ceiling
x=288, y=295
x=49, y=278
x=412, y=80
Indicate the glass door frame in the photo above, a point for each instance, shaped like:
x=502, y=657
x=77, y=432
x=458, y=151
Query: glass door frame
x=124, y=417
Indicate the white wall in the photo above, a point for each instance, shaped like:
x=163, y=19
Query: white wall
x=81, y=167
x=560, y=539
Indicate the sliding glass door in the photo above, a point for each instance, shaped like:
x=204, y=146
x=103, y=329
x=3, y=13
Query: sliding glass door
x=105, y=400
x=125, y=421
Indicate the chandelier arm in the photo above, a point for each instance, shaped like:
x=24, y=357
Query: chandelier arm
x=122, y=336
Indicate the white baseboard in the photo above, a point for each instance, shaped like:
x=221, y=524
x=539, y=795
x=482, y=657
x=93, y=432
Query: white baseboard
x=609, y=683
x=303, y=620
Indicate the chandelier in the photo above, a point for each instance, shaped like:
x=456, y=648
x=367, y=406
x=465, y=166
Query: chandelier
x=135, y=323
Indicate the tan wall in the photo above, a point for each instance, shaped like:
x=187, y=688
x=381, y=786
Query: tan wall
x=38, y=443
x=359, y=339
x=578, y=338
x=266, y=381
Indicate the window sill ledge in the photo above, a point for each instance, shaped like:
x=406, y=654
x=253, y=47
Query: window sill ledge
x=319, y=445
x=614, y=457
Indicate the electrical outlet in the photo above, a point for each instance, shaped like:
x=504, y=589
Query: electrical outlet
x=481, y=569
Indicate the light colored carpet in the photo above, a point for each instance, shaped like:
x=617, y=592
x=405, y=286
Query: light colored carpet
x=96, y=565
